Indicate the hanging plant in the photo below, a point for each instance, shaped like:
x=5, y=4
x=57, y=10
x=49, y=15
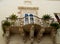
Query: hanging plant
x=55, y=25
x=6, y=23
x=46, y=17
x=13, y=17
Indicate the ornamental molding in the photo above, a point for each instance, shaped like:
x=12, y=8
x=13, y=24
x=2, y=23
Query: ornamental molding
x=33, y=8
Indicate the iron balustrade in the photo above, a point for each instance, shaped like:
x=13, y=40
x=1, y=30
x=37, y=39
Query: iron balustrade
x=36, y=20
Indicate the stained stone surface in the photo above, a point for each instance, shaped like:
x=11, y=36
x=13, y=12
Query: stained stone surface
x=17, y=39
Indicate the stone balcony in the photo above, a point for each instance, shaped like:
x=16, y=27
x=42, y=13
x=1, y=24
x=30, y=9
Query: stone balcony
x=17, y=39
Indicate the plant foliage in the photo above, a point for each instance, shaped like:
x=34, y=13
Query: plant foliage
x=46, y=17
x=6, y=23
x=55, y=25
x=13, y=17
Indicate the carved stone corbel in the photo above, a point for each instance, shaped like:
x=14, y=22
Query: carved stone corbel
x=7, y=34
x=53, y=35
x=41, y=33
x=32, y=34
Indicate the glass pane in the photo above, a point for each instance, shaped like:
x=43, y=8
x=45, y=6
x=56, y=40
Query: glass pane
x=31, y=18
x=26, y=18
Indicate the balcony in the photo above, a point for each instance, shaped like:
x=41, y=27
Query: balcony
x=32, y=28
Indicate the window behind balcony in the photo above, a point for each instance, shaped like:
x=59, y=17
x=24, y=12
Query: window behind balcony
x=31, y=18
x=26, y=19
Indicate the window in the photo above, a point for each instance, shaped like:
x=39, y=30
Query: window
x=26, y=19
x=31, y=18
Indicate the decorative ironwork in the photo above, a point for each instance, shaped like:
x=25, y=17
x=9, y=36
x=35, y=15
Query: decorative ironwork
x=36, y=22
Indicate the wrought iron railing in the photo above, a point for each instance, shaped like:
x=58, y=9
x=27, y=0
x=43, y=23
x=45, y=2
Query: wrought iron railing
x=36, y=20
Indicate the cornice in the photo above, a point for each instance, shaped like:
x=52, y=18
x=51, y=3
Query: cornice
x=34, y=8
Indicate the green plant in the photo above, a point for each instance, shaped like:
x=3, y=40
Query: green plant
x=46, y=17
x=13, y=17
x=6, y=23
x=55, y=25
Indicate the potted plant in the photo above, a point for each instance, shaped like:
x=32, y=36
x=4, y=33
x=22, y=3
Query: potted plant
x=46, y=17
x=13, y=18
x=55, y=25
x=5, y=25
